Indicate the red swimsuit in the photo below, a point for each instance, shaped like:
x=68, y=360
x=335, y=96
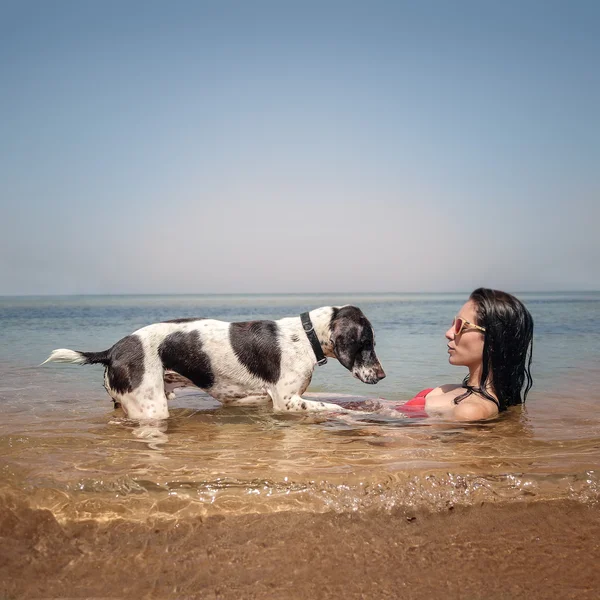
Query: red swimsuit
x=416, y=406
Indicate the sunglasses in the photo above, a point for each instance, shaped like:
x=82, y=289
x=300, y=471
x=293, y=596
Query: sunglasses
x=459, y=325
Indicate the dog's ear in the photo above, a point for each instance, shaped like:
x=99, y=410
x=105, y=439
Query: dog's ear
x=345, y=335
x=345, y=347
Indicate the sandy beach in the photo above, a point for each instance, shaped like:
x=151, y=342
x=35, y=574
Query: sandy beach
x=515, y=550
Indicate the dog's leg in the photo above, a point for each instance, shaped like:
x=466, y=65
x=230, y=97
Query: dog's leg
x=174, y=381
x=287, y=401
x=147, y=401
x=300, y=404
x=144, y=404
x=255, y=400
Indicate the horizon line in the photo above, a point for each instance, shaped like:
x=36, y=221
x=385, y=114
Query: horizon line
x=337, y=293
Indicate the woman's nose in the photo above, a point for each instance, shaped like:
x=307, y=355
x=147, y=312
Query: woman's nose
x=450, y=334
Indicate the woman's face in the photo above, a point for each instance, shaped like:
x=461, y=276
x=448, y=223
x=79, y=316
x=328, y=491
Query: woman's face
x=466, y=349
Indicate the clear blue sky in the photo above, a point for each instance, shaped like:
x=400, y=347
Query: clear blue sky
x=250, y=146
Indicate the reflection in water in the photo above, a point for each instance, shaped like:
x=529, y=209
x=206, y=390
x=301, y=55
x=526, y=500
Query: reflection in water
x=154, y=434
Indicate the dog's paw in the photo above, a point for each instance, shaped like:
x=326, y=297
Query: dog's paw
x=170, y=395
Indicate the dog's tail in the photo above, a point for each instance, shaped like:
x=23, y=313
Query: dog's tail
x=79, y=358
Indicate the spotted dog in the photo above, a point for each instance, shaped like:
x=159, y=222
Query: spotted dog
x=236, y=363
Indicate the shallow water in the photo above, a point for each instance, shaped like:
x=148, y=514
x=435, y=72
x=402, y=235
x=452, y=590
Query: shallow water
x=62, y=446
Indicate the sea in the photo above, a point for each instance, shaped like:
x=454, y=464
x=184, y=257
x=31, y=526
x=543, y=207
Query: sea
x=65, y=449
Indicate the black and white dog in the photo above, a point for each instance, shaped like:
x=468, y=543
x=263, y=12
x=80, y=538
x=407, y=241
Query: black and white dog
x=236, y=363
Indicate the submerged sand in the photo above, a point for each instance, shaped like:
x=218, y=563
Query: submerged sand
x=511, y=550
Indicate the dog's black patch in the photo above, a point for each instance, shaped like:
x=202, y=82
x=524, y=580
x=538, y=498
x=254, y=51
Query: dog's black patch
x=94, y=358
x=185, y=320
x=352, y=336
x=256, y=345
x=126, y=364
x=182, y=352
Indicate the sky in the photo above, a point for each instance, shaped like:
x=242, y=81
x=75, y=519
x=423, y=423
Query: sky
x=285, y=147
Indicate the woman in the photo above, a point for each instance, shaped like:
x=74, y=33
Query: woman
x=492, y=335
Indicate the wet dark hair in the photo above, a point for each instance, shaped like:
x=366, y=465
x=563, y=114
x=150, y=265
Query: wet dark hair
x=507, y=348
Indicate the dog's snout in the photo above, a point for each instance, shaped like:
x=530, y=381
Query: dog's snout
x=371, y=374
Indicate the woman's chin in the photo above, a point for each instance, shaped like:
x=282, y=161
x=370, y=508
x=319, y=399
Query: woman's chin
x=453, y=360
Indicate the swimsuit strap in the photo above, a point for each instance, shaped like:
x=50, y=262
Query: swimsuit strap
x=474, y=390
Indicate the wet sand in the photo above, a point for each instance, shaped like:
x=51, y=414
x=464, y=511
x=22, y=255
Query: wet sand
x=511, y=550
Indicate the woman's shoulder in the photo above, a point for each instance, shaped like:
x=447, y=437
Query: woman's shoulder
x=444, y=389
x=473, y=408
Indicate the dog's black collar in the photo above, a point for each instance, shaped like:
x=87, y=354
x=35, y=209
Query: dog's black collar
x=312, y=338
